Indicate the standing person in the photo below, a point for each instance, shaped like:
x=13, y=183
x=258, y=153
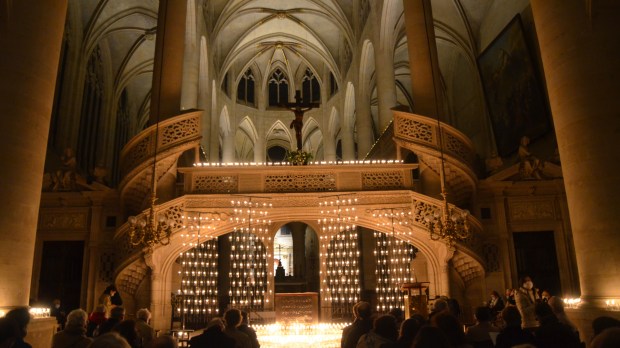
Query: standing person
x=106, y=299
x=383, y=334
x=557, y=305
x=512, y=334
x=526, y=298
x=232, y=318
x=451, y=328
x=551, y=333
x=127, y=330
x=545, y=296
x=408, y=331
x=246, y=329
x=96, y=318
x=362, y=324
x=145, y=331
x=496, y=305
x=397, y=313
x=116, y=316
x=510, y=297
x=16, y=326
x=59, y=313
x=74, y=335
x=479, y=335
x=213, y=337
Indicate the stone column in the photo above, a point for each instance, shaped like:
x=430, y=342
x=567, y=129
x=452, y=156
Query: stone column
x=298, y=231
x=30, y=37
x=580, y=53
x=260, y=154
x=363, y=119
x=329, y=147
x=580, y=50
x=228, y=148
x=168, y=66
x=386, y=86
x=191, y=61
x=348, y=145
x=423, y=63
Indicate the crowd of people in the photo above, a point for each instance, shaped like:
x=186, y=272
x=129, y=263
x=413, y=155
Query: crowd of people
x=525, y=317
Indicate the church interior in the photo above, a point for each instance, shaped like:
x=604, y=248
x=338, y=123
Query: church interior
x=292, y=158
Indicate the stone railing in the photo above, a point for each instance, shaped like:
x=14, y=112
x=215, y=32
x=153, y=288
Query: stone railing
x=276, y=178
x=172, y=133
x=420, y=135
x=424, y=131
x=176, y=135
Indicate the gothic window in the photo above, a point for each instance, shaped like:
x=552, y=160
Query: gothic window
x=310, y=89
x=122, y=136
x=245, y=89
x=92, y=104
x=278, y=88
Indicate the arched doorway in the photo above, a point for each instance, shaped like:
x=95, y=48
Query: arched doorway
x=296, y=259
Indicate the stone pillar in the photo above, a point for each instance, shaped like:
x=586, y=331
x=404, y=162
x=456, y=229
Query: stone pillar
x=580, y=48
x=154, y=260
x=191, y=61
x=228, y=148
x=386, y=86
x=298, y=231
x=260, y=154
x=30, y=37
x=423, y=63
x=329, y=147
x=580, y=53
x=168, y=66
x=363, y=119
x=348, y=144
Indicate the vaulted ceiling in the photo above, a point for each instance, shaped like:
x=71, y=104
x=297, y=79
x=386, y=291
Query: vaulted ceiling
x=262, y=34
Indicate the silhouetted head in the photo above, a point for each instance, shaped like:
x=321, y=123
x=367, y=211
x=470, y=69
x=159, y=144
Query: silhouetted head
x=602, y=323
x=232, y=317
x=483, y=314
x=385, y=326
x=19, y=319
x=511, y=316
x=362, y=310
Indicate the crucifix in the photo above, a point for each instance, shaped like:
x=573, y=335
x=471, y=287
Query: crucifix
x=299, y=108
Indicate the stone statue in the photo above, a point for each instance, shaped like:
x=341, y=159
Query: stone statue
x=530, y=167
x=99, y=173
x=69, y=170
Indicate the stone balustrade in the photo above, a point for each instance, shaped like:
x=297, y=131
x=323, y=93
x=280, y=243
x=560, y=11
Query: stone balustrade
x=173, y=132
x=281, y=177
x=424, y=131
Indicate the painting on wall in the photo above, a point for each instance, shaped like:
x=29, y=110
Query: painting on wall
x=514, y=94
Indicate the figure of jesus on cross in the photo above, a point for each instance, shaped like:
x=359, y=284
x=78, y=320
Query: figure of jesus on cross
x=299, y=108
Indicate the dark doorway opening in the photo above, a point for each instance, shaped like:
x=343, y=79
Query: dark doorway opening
x=61, y=273
x=536, y=256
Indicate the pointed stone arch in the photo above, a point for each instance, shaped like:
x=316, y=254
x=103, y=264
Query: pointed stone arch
x=225, y=127
x=313, y=136
x=333, y=127
x=279, y=135
x=367, y=67
x=246, y=137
